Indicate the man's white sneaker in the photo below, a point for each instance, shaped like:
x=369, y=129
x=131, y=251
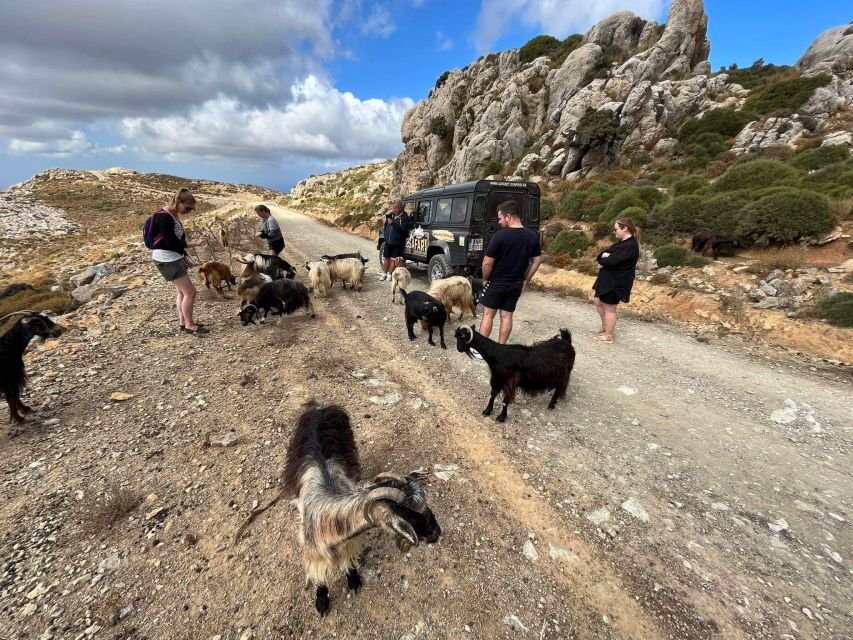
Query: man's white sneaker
x=476, y=354
x=382, y=277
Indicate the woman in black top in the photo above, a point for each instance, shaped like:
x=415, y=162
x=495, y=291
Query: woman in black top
x=616, y=276
x=169, y=255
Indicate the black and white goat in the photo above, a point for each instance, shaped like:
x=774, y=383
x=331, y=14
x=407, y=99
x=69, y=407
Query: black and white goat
x=13, y=343
x=273, y=266
x=321, y=474
x=430, y=311
x=342, y=256
x=535, y=369
x=286, y=296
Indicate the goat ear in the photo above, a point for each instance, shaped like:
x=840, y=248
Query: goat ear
x=405, y=532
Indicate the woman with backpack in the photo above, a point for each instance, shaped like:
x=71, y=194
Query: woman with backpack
x=165, y=236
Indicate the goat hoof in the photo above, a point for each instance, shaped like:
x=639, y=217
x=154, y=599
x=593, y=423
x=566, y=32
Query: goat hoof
x=26, y=409
x=322, y=605
x=354, y=582
x=487, y=412
x=443, y=346
x=411, y=337
x=552, y=405
x=501, y=418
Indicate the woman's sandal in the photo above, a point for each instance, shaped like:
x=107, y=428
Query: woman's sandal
x=602, y=338
x=200, y=324
x=198, y=331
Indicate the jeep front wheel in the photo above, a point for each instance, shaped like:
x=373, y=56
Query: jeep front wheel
x=439, y=268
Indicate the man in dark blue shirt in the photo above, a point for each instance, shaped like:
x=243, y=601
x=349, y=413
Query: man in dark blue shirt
x=512, y=257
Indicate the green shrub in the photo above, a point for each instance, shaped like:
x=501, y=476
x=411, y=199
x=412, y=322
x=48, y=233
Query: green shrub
x=571, y=242
x=442, y=79
x=586, y=205
x=643, y=198
x=638, y=215
x=493, y=167
x=597, y=127
x=713, y=143
x=755, y=174
x=682, y=214
x=830, y=177
x=438, y=126
x=838, y=309
x=785, y=217
x=539, y=46
x=547, y=208
x=759, y=74
x=724, y=122
x=566, y=47
x=688, y=185
x=784, y=97
x=821, y=157
x=721, y=212
x=671, y=255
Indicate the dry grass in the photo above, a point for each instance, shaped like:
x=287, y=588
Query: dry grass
x=842, y=208
x=56, y=301
x=733, y=304
x=587, y=266
x=784, y=258
x=659, y=278
x=104, y=511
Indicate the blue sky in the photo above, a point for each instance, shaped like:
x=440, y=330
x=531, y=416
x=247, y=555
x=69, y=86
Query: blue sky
x=271, y=94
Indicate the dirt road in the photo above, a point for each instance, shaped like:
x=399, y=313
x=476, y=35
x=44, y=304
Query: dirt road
x=681, y=491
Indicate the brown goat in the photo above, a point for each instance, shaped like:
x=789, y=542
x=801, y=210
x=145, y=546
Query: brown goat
x=215, y=273
x=455, y=290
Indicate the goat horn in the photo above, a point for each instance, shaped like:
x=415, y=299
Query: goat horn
x=471, y=339
x=387, y=475
x=22, y=312
x=386, y=493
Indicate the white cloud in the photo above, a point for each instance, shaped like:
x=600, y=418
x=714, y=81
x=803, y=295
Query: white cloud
x=319, y=121
x=185, y=80
x=75, y=144
x=442, y=42
x=554, y=17
x=379, y=22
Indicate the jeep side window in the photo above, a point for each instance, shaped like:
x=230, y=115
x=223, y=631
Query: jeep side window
x=479, y=208
x=460, y=210
x=423, y=212
x=442, y=211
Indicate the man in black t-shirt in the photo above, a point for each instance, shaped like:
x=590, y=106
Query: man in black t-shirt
x=512, y=257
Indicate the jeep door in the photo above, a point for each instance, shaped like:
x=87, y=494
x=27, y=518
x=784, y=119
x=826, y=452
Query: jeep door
x=417, y=243
x=496, y=198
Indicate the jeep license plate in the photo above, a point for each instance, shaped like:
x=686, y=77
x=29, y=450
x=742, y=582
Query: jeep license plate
x=475, y=244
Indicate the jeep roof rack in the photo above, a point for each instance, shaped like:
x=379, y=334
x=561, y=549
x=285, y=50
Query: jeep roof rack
x=481, y=186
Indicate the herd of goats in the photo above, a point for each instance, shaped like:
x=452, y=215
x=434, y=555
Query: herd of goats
x=322, y=472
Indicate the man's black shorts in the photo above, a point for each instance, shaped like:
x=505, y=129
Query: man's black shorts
x=502, y=295
x=277, y=246
x=393, y=250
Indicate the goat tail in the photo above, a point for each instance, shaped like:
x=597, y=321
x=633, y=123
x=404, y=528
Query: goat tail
x=255, y=513
x=566, y=335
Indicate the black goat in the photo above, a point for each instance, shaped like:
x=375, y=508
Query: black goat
x=321, y=473
x=538, y=368
x=341, y=256
x=476, y=289
x=273, y=266
x=13, y=343
x=430, y=311
x=286, y=296
x=705, y=239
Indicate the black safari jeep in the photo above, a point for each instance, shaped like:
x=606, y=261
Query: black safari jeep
x=451, y=225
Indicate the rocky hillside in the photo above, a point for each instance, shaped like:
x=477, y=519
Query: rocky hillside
x=611, y=98
x=352, y=198
x=65, y=218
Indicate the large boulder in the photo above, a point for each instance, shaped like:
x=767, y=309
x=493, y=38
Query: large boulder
x=832, y=51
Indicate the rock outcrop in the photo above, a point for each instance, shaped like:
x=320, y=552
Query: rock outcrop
x=625, y=91
x=831, y=52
